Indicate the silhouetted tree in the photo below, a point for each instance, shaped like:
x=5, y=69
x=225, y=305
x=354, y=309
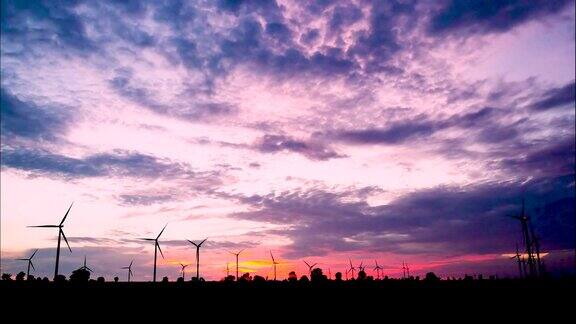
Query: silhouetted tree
x=31, y=278
x=180, y=280
x=80, y=276
x=116, y=279
x=431, y=276
x=60, y=278
x=165, y=280
x=228, y=278
x=7, y=276
x=259, y=279
x=317, y=276
x=338, y=276
x=361, y=275
x=20, y=276
x=304, y=279
x=100, y=280
x=292, y=277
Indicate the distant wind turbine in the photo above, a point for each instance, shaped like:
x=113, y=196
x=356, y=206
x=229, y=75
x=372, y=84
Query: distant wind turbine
x=236, y=254
x=378, y=268
x=30, y=264
x=183, y=270
x=310, y=268
x=351, y=270
x=60, y=236
x=85, y=267
x=129, y=268
x=156, y=249
x=197, y=245
x=274, y=263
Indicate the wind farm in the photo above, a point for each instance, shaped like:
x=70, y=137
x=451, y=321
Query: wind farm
x=406, y=148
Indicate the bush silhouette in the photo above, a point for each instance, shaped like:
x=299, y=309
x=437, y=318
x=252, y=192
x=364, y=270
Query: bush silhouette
x=431, y=276
x=20, y=276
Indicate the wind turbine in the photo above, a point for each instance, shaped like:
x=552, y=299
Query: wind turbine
x=85, y=267
x=30, y=264
x=360, y=267
x=274, y=263
x=351, y=268
x=236, y=254
x=156, y=249
x=403, y=270
x=526, y=237
x=130, y=274
x=60, y=236
x=517, y=257
x=183, y=270
x=378, y=268
x=407, y=270
x=198, y=245
x=310, y=268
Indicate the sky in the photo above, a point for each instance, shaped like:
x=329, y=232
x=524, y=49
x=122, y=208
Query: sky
x=325, y=131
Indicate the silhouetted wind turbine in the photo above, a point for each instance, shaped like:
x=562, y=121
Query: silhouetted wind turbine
x=310, y=268
x=403, y=270
x=156, y=249
x=183, y=270
x=198, y=257
x=351, y=268
x=527, y=240
x=377, y=268
x=274, y=263
x=60, y=236
x=237, y=254
x=517, y=257
x=85, y=267
x=30, y=264
x=360, y=267
x=130, y=274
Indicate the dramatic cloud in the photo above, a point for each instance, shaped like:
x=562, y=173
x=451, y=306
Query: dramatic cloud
x=279, y=143
x=477, y=16
x=373, y=129
x=117, y=164
x=564, y=96
x=405, y=225
x=28, y=120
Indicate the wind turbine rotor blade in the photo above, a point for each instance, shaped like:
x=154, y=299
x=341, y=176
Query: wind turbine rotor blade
x=131, y=263
x=146, y=239
x=66, y=240
x=124, y=268
x=66, y=215
x=273, y=261
x=241, y=251
x=32, y=265
x=314, y=265
x=159, y=249
x=202, y=242
x=306, y=263
x=33, y=254
x=162, y=231
x=51, y=226
x=89, y=269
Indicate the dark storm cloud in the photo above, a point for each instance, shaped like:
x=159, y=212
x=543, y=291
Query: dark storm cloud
x=438, y=221
x=478, y=16
x=557, y=97
x=117, y=163
x=27, y=120
x=310, y=149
